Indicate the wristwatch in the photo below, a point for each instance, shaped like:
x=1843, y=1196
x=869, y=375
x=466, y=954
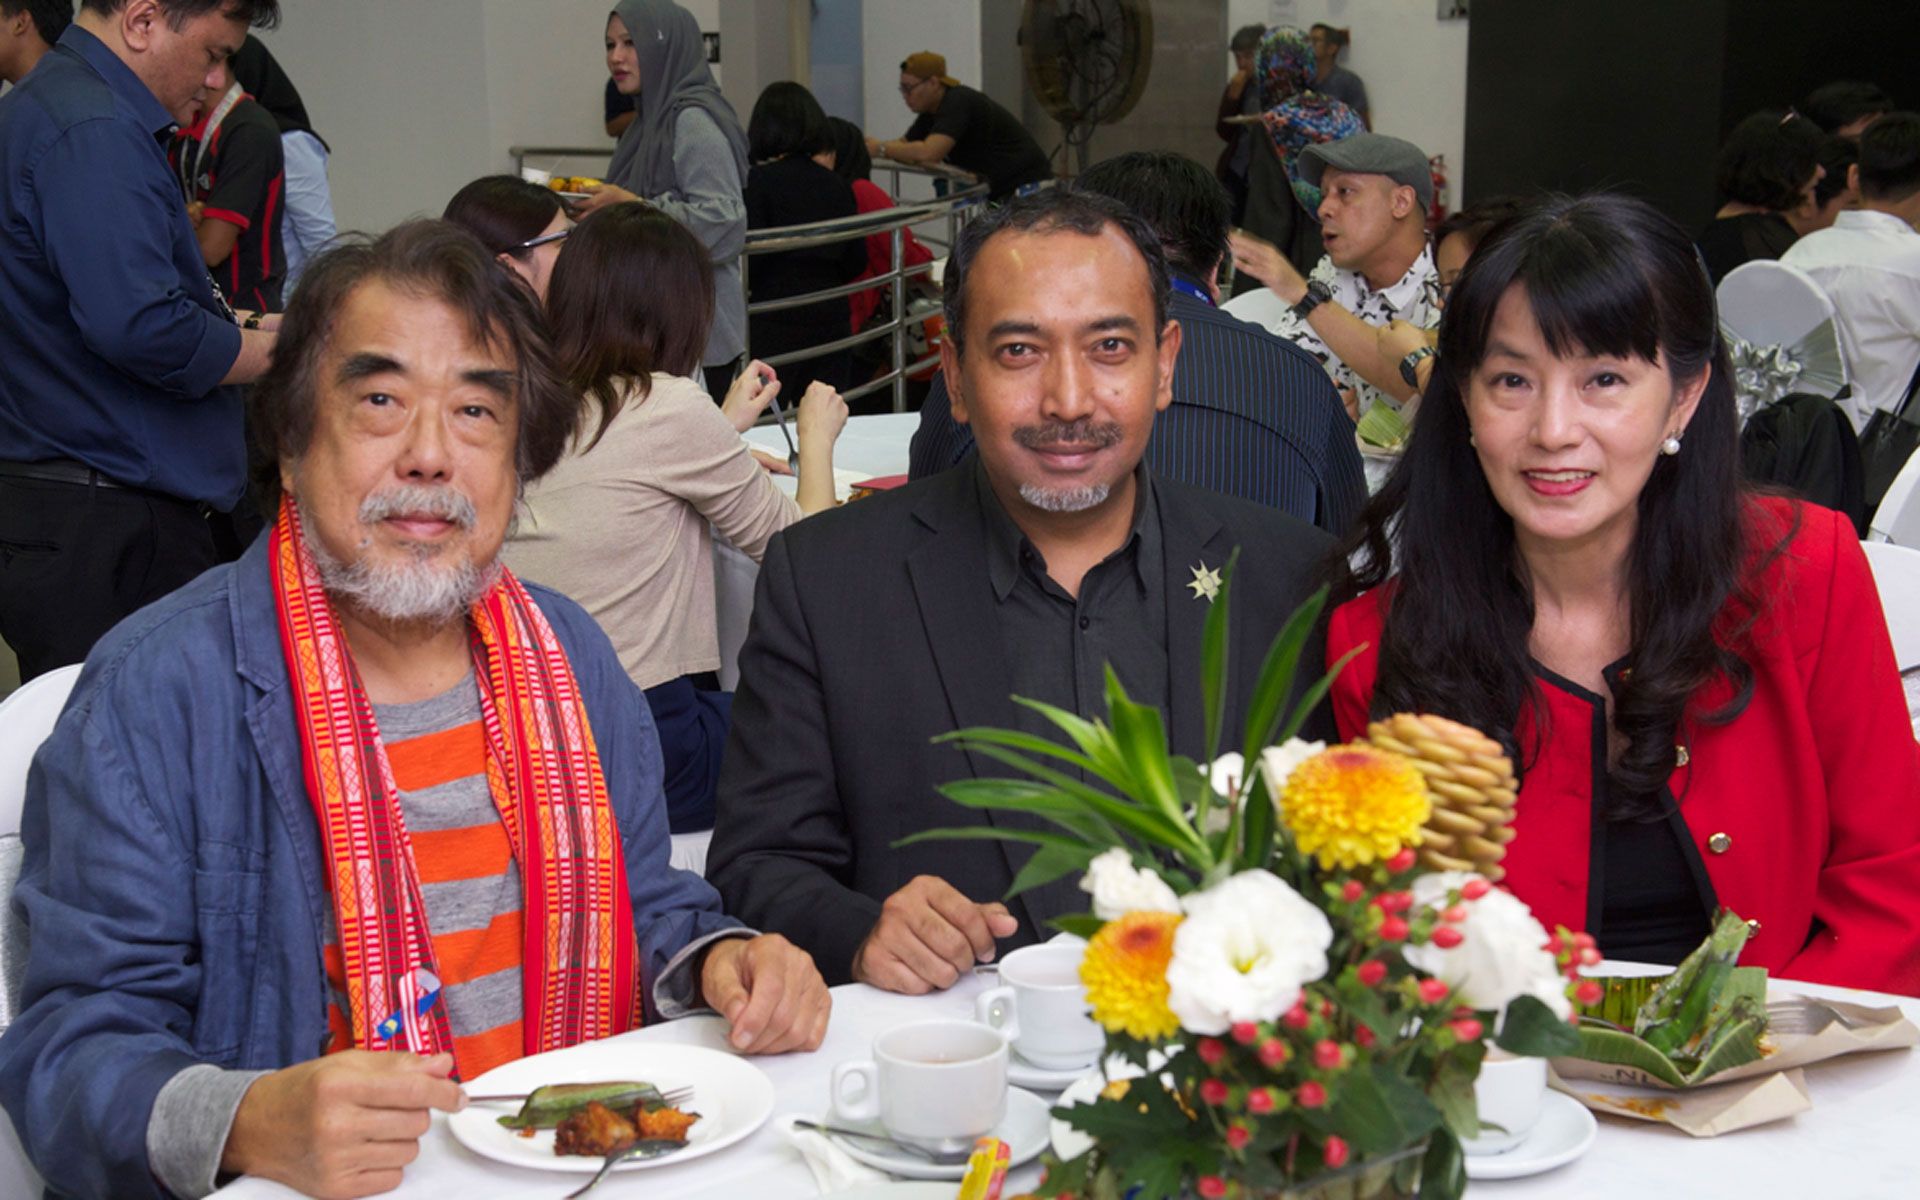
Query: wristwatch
x=253, y=321
x=1411, y=361
x=1318, y=293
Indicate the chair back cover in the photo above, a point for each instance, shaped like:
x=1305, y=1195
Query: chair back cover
x=1780, y=334
x=1897, y=520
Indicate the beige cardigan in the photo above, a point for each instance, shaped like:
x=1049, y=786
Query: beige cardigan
x=624, y=529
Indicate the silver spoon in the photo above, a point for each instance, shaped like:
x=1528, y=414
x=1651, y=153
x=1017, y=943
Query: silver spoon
x=939, y=1158
x=644, y=1148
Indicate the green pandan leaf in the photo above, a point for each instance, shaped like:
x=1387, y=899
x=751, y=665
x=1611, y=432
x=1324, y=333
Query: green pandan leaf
x=1531, y=1029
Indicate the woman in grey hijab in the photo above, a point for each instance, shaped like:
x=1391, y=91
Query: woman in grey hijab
x=685, y=154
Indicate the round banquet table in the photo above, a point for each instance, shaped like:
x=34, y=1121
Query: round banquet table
x=1856, y=1141
x=868, y=447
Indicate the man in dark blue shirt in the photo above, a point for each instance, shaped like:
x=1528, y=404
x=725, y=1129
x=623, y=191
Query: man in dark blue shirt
x=121, y=440
x=1253, y=415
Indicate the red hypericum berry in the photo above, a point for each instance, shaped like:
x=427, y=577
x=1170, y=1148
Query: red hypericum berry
x=1467, y=1029
x=1447, y=937
x=1273, y=1055
x=1401, y=862
x=1588, y=993
x=1363, y=1036
x=1394, y=902
x=1214, y=1091
x=1327, y=1010
x=1311, y=1094
x=1297, y=1017
x=1336, y=1152
x=1352, y=890
x=1371, y=972
x=1212, y=1050
x=1589, y=957
x=1212, y=1187
x=1473, y=889
x=1245, y=1032
x=1394, y=929
x=1327, y=1054
x=1583, y=941
x=1432, y=991
x=1260, y=1101
x=1453, y=914
x=1238, y=1136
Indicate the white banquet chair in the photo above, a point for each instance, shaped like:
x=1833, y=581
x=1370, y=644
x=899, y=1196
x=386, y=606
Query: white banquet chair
x=1897, y=520
x=26, y=718
x=1781, y=334
x=1896, y=574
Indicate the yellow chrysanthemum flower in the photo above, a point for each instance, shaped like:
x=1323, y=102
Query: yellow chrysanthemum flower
x=1125, y=970
x=1352, y=804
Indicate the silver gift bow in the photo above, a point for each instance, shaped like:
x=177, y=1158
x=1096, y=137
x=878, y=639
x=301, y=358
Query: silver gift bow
x=1763, y=374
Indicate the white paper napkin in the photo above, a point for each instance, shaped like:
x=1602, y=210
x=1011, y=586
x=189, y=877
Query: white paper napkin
x=834, y=1170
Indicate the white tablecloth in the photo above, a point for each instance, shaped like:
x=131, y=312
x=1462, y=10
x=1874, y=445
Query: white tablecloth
x=868, y=447
x=1857, y=1141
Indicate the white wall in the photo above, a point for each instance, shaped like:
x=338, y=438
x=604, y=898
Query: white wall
x=1414, y=65
x=418, y=97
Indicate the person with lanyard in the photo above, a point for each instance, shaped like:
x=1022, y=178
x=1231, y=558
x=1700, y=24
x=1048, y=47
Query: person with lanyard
x=963, y=127
x=307, y=226
x=232, y=175
x=685, y=154
x=119, y=434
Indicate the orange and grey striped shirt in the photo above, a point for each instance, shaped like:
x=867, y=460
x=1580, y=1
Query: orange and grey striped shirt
x=468, y=878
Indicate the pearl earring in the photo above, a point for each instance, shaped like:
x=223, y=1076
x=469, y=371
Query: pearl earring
x=1671, y=446
x=1471, y=441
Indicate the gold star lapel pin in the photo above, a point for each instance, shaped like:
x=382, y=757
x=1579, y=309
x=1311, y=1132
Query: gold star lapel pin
x=1205, y=583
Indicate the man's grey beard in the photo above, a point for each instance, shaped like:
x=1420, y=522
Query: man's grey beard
x=417, y=590
x=1065, y=500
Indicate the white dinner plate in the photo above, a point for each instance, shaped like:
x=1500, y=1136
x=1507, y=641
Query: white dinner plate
x=1023, y=1129
x=1565, y=1132
x=895, y=1190
x=732, y=1096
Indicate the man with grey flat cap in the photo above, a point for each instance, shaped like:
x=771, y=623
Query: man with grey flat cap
x=1375, y=193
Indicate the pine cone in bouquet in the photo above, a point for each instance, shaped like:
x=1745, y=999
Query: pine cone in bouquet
x=1473, y=788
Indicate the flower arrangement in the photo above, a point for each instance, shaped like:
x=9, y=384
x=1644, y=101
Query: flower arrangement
x=1300, y=994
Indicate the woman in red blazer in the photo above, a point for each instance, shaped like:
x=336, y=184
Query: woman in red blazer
x=1696, y=682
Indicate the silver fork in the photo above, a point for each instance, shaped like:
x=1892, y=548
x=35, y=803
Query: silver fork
x=1804, y=1016
x=645, y=1148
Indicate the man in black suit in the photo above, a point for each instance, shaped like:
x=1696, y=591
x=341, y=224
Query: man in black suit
x=882, y=625
x=1253, y=415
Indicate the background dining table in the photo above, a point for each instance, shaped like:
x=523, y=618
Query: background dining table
x=1857, y=1141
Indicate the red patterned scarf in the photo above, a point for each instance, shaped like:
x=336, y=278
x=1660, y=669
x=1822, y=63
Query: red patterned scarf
x=580, y=967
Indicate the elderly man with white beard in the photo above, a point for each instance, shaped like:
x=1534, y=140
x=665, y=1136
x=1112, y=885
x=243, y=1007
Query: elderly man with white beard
x=359, y=816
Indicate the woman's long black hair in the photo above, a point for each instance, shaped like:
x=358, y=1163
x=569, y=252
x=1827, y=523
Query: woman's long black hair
x=1603, y=274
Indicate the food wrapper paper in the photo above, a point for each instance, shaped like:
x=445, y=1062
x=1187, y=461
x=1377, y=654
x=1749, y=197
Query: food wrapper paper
x=1769, y=1089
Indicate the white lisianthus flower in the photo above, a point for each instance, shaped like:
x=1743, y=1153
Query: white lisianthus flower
x=1278, y=762
x=1227, y=772
x=1502, y=954
x=1118, y=887
x=1248, y=945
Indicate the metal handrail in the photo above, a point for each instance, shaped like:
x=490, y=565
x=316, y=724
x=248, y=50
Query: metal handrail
x=965, y=192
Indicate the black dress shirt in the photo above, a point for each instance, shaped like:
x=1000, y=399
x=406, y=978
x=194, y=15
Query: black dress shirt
x=1058, y=645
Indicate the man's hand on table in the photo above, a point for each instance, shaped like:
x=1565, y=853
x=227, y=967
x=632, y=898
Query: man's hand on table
x=928, y=934
x=341, y=1126
x=770, y=992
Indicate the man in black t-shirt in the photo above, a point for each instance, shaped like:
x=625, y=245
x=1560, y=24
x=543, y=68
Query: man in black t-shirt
x=961, y=126
x=232, y=169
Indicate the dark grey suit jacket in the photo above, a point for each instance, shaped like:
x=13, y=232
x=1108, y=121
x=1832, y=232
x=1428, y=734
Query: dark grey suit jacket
x=874, y=632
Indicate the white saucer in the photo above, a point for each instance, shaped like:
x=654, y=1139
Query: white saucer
x=1023, y=1129
x=1022, y=1073
x=1565, y=1132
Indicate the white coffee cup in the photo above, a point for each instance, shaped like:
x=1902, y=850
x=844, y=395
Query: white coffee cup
x=1510, y=1093
x=1041, y=1005
x=934, y=1084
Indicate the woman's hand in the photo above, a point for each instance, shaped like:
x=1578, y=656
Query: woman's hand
x=823, y=414
x=1262, y=259
x=750, y=394
x=773, y=464
x=605, y=196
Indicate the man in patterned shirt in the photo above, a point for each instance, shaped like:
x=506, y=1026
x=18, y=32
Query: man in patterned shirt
x=1378, y=267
